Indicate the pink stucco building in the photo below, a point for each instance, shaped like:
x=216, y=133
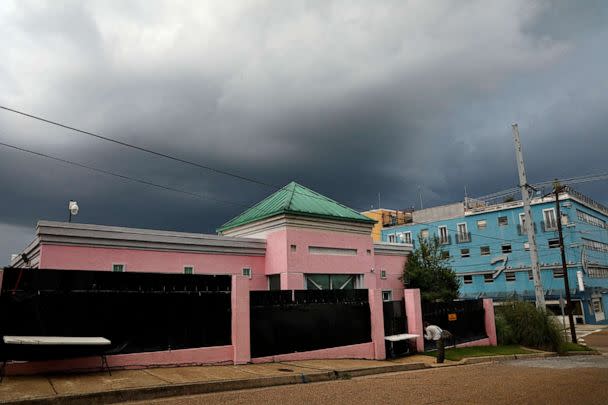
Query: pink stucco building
x=290, y=240
x=295, y=239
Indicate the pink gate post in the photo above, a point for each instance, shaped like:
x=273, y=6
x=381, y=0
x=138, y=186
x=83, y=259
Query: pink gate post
x=240, y=320
x=377, y=323
x=413, y=311
x=488, y=306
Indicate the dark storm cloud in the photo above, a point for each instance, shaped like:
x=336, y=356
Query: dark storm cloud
x=348, y=98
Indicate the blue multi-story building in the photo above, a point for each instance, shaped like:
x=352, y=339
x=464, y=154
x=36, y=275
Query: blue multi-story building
x=487, y=245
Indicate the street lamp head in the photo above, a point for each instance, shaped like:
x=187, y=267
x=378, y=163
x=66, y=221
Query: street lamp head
x=73, y=207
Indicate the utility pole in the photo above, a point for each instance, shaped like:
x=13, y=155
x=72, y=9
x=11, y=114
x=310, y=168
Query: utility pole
x=528, y=224
x=557, y=188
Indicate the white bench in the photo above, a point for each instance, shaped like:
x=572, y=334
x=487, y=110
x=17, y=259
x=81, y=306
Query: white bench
x=398, y=338
x=56, y=341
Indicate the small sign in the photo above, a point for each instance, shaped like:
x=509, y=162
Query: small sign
x=451, y=317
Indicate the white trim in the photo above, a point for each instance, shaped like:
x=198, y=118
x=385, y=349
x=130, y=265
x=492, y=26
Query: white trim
x=466, y=227
x=447, y=234
x=545, y=218
x=262, y=227
x=522, y=217
x=248, y=268
x=188, y=265
x=383, y=274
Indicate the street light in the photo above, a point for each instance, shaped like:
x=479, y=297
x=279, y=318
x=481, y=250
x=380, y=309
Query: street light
x=73, y=209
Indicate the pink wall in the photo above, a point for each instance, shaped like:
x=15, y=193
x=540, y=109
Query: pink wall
x=137, y=260
x=293, y=265
x=279, y=259
x=394, y=271
x=276, y=253
x=301, y=261
x=202, y=355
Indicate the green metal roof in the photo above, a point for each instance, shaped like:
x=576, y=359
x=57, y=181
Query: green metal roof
x=298, y=200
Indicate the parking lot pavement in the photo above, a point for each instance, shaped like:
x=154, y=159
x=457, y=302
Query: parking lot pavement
x=563, y=362
x=598, y=340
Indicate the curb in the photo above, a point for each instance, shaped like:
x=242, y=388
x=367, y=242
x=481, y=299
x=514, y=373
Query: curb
x=508, y=357
x=177, y=390
x=360, y=372
x=583, y=353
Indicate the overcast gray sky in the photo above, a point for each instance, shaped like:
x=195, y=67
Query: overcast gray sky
x=349, y=98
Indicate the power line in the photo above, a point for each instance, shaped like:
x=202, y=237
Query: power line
x=122, y=176
x=573, y=180
x=160, y=154
x=567, y=181
x=140, y=148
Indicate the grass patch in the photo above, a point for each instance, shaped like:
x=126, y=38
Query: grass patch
x=573, y=347
x=459, y=353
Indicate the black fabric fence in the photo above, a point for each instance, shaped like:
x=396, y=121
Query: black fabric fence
x=395, y=323
x=138, y=312
x=303, y=320
x=464, y=319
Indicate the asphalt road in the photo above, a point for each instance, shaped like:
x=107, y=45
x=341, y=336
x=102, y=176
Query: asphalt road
x=565, y=380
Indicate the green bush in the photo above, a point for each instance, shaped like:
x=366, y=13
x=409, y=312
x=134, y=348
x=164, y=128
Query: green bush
x=521, y=323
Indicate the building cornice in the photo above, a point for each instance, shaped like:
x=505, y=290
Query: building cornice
x=392, y=249
x=295, y=221
x=73, y=234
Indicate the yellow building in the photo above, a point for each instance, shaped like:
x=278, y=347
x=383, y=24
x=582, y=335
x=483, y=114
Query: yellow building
x=385, y=218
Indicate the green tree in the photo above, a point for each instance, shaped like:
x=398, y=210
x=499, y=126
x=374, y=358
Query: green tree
x=427, y=269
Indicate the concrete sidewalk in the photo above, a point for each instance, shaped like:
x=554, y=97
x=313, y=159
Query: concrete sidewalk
x=126, y=385
x=150, y=383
